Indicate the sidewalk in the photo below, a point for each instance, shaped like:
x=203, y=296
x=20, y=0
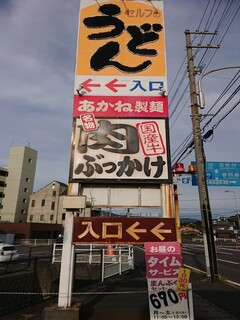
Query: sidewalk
x=211, y=301
x=116, y=299
x=214, y=300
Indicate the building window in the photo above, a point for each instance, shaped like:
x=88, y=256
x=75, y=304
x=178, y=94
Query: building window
x=51, y=217
x=2, y=195
x=27, y=179
x=24, y=200
x=22, y=211
x=33, y=203
x=54, y=193
x=25, y=189
x=53, y=205
x=29, y=160
x=63, y=216
x=31, y=218
x=43, y=203
x=2, y=184
x=3, y=173
x=41, y=217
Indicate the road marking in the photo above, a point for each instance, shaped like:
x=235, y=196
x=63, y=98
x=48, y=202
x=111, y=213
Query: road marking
x=192, y=254
x=196, y=269
x=232, y=282
x=227, y=253
x=200, y=248
x=228, y=261
x=196, y=249
x=192, y=245
x=231, y=249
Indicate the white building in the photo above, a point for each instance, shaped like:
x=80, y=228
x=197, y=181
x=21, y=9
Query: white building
x=46, y=205
x=17, y=186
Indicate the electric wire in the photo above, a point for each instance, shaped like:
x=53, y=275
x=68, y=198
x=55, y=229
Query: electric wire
x=228, y=87
x=183, y=94
x=225, y=27
x=219, y=121
x=201, y=20
x=181, y=110
x=228, y=15
x=223, y=106
x=187, y=147
x=210, y=52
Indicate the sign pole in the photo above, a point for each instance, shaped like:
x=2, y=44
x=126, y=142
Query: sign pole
x=177, y=214
x=72, y=204
x=66, y=273
x=166, y=196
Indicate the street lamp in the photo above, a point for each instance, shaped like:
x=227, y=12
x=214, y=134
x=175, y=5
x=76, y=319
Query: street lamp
x=236, y=206
x=200, y=92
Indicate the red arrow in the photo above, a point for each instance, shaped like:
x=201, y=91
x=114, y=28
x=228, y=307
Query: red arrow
x=87, y=84
x=112, y=85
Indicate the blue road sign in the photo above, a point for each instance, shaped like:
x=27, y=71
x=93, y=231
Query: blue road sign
x=222, y=174
x=182, y=179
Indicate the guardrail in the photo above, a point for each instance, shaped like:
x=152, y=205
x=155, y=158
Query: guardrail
x=35, y=242
x=217, y=240
x=121, y=259
x=84, y=253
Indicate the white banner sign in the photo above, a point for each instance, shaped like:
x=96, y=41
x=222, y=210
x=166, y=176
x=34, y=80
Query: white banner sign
x=164, y=300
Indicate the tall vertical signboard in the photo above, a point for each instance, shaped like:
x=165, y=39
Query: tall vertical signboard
x=163, y=262
x=120, y=111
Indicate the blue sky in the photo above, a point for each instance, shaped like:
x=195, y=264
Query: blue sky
x=37, y=63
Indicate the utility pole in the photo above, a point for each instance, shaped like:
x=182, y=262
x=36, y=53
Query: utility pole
x=208, y=238
x=177, y=215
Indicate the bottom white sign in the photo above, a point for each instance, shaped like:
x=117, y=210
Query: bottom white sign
x=164, y=300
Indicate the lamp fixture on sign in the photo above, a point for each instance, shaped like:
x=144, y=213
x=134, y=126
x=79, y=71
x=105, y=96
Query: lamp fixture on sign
x=80, y=90
x=192, y=169
x=179, y=168
x=162, y=92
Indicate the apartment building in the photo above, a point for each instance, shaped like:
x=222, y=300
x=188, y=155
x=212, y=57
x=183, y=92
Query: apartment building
x=16, y=184
x=46, y=205
x=3, y=177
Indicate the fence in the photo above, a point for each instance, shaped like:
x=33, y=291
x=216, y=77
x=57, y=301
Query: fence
x=113, y=259
x=216, y=240
x=35, y=242
x=121, y=259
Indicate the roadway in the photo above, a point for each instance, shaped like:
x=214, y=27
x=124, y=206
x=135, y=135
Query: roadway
x=120, y=300
x=228, y=258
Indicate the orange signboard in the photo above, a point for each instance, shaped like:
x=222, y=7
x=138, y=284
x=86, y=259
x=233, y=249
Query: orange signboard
x=121, y=37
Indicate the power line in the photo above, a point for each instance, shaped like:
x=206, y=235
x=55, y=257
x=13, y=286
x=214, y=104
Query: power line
x=228, y=14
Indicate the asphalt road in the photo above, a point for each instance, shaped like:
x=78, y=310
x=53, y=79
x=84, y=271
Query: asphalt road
x=121, y=300
x=228, y=258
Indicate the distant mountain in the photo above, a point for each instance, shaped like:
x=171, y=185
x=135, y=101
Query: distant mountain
x=189, y=220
